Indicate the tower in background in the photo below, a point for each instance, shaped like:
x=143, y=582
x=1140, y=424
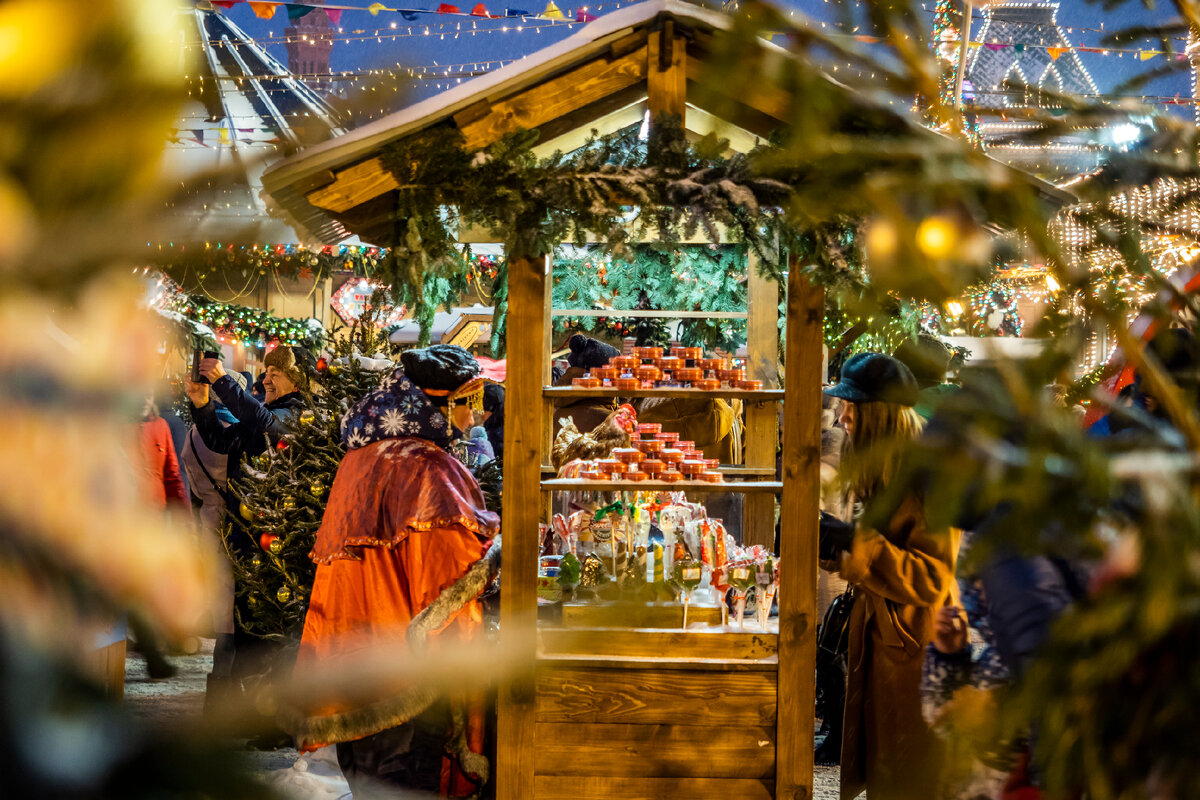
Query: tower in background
x=309, y=41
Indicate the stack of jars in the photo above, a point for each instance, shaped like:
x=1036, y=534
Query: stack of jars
x=648, y=368
x=656, y=455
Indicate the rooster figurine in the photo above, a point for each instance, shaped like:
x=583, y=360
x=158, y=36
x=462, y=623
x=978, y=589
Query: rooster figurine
x=571, y=445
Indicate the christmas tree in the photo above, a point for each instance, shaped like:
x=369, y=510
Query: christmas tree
x=284, y=490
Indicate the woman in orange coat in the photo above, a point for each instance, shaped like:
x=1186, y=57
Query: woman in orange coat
x=903, y=573
x=405, y=521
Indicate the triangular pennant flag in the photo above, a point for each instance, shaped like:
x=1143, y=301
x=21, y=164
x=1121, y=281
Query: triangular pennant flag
x=296, y=12
x=375, y=8
x=583, y=16
x=973, y=45
x=1146, y=55
x=223, y=134
x=515, y=12
x=994, y=46
x=552, y=12
x=446, y=8
x=334, y=14
x=225, y=4
x=1180, y=57
x=867, y=39
x=1089, y=49
x=1020, y=48
x=199, y=134
x=1055, y=52
x=408, y=15
x=480, y=11
x=263, y=10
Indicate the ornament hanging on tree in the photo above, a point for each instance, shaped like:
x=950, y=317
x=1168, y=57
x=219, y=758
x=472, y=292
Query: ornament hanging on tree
x=262, y=460
x=252, y=601
x=284, y=594
x=317, y=490
x=283, y=445
x=276, y=546
x=307, y=417
x=289, y=503
x=266, y=540
x=245, y=510
x=256, y=561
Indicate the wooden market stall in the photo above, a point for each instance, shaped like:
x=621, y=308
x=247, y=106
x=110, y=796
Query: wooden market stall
x=706, y=712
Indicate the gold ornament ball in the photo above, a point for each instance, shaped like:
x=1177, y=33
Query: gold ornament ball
x=262, y=460
x=256, y=562
x=276, y=546
x=334, y=369
x=289, y=503
x=284, y=594
x=252, y=601
x=317, y=490
x=307, y=417
x=245, y=511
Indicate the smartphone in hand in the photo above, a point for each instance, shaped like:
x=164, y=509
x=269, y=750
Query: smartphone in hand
x=197, y=357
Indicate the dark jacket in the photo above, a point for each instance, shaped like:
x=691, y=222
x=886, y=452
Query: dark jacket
x=257, y=423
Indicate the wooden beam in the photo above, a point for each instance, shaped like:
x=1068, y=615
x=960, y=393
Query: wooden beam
x=560, y=95
x=798, y=537
x=771, y=101
x=487, y=121
x=522, y=504
x=552, y=787
x=666, y=72
x=762, y=419
x=354, y=185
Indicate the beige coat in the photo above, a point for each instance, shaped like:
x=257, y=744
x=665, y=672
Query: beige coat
x=903, y=574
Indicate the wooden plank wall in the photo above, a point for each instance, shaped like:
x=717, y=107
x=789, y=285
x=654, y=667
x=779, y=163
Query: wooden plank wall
x=798, y=536
x=652, y=733
x=522, y=505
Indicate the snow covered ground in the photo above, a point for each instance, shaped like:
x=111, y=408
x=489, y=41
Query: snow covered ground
x=180, y=700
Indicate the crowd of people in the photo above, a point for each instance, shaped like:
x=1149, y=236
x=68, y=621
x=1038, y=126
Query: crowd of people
x=909, y=638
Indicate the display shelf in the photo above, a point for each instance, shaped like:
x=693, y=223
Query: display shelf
x=745, y=395
x=728, y=470
x=698, y=487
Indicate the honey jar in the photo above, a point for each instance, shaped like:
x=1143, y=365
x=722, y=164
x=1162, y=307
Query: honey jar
x=647, y=373
x=585, y=383
x=667, y=436
x=671, y=476
x=650, y=446
x=712, y=477
x=671, y=455
x=713, y=364
x=691, y=468
x=707, y=384
x=628, y=455
x=654, y=466
x=623, y=363
x=627, y=384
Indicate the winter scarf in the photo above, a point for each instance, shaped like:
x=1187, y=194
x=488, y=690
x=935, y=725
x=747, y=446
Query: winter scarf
x=397, y=408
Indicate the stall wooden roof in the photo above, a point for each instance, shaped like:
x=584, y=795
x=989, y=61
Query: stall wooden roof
x=605, y=77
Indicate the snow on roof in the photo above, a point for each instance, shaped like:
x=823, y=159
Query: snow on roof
x=408, y=331
x=594, y=37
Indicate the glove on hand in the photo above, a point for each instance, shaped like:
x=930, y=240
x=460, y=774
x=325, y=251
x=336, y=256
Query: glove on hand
x=835, y=537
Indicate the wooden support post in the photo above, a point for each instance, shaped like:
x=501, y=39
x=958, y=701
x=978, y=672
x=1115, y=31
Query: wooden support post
x=798, y=538
x=522, y=505
x=666, y=73
x=762, y=419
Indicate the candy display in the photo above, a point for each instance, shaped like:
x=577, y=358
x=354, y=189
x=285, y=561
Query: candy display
x=685, y=367
x=652, y=547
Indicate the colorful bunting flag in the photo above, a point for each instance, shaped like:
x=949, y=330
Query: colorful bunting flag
x=480, y=11
x=334, y=14
x=296, y=11
x=867, y=39
x=263, y=10
x=1146, y=55
x=1020, y=48
x=375, y=8
x=446, y=8
x=994, y=46
x=198, y=133
x=1055, y=52
x=552, y=11
x=516, y=12
x=225, y=4
x=583, y=16
x=408, y=15
x=1089, y=49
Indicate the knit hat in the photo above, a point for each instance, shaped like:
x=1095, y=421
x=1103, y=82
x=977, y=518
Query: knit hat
x=587, y=352
x=873, y=378
x=441, y=367
x=927, y=357
x=292, y=361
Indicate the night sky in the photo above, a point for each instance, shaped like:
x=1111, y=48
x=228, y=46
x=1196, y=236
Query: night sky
x=450, y=45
